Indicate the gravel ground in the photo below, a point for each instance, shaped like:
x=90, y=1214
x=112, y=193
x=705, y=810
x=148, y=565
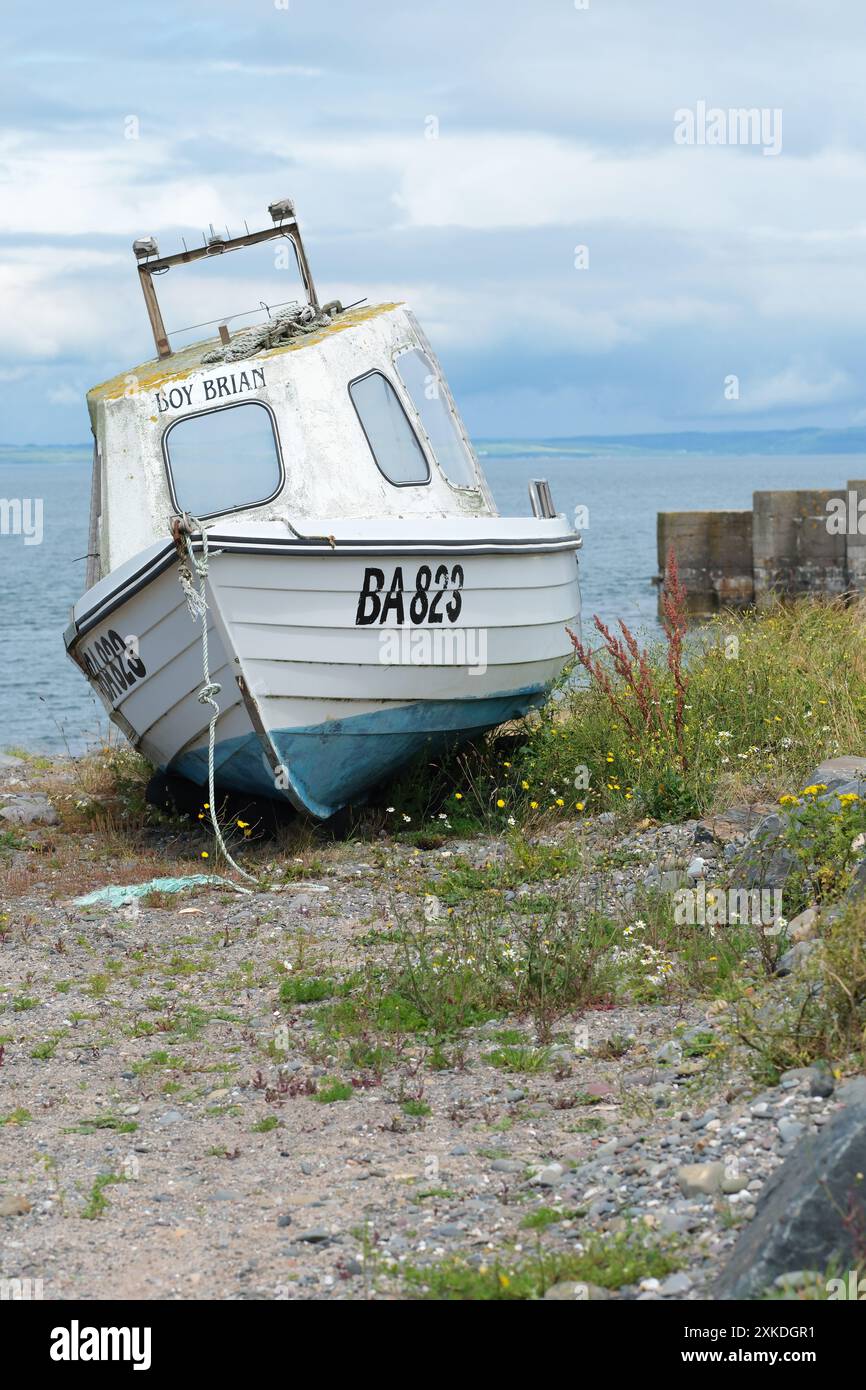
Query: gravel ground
x=162, y=1126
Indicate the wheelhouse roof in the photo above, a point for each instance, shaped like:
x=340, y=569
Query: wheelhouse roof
x=158, y=372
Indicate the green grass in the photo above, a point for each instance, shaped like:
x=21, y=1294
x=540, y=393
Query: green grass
x=332, y=1091
x=770, y=695
x=115, y=1122
x=310, y=990
x=519, y=1059
x=97, y=1203
x=415, y=1108
x=611, y=1262
x=16, y=1117
x=265, y=1125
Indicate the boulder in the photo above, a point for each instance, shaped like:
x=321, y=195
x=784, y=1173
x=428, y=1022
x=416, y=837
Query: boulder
x=803, y=1216
x=29, y=810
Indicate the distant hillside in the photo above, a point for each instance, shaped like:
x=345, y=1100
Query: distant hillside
x=731, y=442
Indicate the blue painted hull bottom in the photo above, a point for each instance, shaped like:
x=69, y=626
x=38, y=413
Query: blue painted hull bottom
x=329, y=765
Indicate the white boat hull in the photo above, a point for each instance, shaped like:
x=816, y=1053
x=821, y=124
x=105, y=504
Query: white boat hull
x=339, y=657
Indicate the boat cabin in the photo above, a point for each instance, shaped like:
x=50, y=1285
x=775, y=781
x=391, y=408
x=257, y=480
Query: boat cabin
x=318, y=411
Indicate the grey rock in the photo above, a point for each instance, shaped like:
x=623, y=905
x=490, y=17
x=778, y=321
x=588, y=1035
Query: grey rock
x=507, y=1165
x=675, y=1284
x=317, y=1236
x=732, y=1183
x=834, y=771
x=549, y=1176
x=701, y=1179
x=669, y=1052
x=9, y=760
x=514, y=1096
x=572, y=1291
x=803, y=926
x=29, y=810
x=170, y=1117
x=822, y=1084
x=284, y=1220
x=790, y=1131
x=697, y=868
x=799, y=1220
x=796, y=957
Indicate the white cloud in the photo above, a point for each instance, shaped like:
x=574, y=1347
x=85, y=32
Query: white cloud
x=794, y=388
x=265, y=69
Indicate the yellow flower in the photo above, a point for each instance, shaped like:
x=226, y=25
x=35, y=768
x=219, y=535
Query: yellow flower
x=789, y=800
x=559, y=801
x=204, y=854
x=525, y=786
x=458, y=796
x=500, y=803
x=533, y=805
x=579, y=805
x=242, y=824
x=847, y=797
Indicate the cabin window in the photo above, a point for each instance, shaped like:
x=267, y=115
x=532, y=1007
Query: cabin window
x=429, y=396
x=223, y=460
x=392, y=440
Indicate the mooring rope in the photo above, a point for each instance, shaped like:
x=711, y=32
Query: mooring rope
x=196, y=601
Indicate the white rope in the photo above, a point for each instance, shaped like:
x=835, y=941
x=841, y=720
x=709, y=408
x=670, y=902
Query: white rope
x=197, y=604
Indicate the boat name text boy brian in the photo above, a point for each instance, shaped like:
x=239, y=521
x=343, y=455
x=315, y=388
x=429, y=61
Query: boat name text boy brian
x=213, y=389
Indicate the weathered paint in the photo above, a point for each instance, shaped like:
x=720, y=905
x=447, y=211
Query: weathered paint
x=337, y=762
x=329, y=467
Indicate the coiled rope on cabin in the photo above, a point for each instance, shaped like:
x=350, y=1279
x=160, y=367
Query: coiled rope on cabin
x=196, y=601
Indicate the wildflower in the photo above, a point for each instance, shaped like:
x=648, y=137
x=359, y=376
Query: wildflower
x=848, y=797
x=533, y=805
x=559, y=801
x=390, y=810
x=789, y=800
x=204, y=854
x=500, y=803
x=242, y=824
x=525, y=786
x=406, y=818
x=458, y=796
x=579, y=805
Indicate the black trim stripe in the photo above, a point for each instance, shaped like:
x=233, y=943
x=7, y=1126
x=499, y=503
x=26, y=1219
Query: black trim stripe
x=314, y=546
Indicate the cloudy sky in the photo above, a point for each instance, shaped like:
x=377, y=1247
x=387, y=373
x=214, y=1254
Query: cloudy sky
x=453, y=153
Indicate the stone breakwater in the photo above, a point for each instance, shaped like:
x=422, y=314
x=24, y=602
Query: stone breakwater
x=791, y=544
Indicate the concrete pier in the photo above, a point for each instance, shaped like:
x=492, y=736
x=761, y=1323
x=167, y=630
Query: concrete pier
x=790, y=544
x=793, y=551
x=856, y=541
x=714, y=555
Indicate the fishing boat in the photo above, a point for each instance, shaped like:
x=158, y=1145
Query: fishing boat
x=297, y=576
